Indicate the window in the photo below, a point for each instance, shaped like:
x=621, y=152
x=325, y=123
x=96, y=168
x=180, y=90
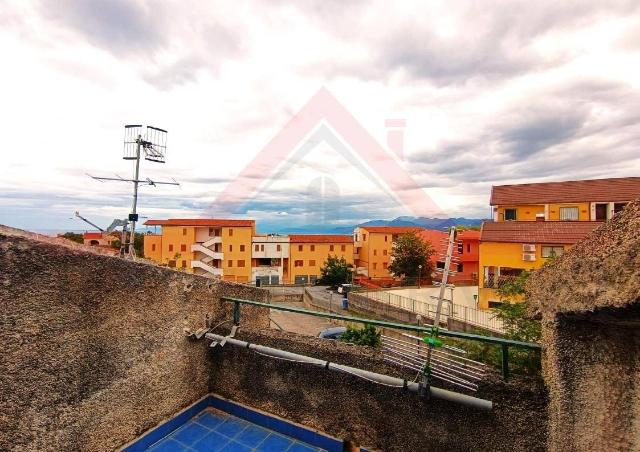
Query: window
x=241, y=263
x=257, y=247
x=510, y=214
x=241, y=248
x=375, y=252
x=495, y=304
x=184, y=231
x=170, y=247
x=386, y=238
x=601, y=212
x=153, y=247
x=299, y=247
x=549, y=251
x=313, y=247
x=460, y=268
x=230, y=248
x=343, y=247
x=384, y=265
x=330, y=247
x=569, y=213
x=230, y=263
x=298, y=264
x=230, y=232
x=439, y=264
x=384, y=252
x=460, y=248
x=617, y=207
x=211, y=231
x=468, y=247
x=278, y=248
x=184, y=264
x=364, y=237
x=261, y=247
x=312, y=263
x=375, y=265
x=183, y=247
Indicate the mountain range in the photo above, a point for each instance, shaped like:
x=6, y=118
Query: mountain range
x=427, y=223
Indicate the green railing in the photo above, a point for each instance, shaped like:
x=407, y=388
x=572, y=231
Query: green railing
x=503, y=343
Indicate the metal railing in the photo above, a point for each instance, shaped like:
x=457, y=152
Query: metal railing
x=461, y=313
x=504, y=344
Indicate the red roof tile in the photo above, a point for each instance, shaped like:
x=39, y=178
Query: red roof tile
x=320, y=238
x=595, y=190
x=558, y=232
x=199, y=222
x=392, y=229
x=92, y=235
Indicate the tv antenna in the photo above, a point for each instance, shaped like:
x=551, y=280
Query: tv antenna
x=154, y=145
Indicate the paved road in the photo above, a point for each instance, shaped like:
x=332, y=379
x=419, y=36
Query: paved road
x=299, y=323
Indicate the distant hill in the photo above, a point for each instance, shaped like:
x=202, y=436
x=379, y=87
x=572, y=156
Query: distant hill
x=428, y=223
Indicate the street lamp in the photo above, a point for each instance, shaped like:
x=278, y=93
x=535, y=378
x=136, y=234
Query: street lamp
x=419, y=271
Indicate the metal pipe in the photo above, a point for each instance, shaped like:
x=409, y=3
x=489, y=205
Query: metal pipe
x=437, y=393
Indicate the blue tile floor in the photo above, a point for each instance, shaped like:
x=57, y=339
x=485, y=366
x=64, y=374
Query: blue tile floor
x=214, y=430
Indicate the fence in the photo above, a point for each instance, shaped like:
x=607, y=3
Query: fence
x=461, y=313
x=504, y=344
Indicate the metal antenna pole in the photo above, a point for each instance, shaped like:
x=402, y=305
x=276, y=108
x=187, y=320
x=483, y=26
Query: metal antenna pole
x=433, y=341
x=134, y=216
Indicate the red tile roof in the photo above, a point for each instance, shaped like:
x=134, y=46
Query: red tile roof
x=558, y=232
x=595, y=190
x=199, y=222
x=392, y=229
x=469, y=235
x=92, y=235
x=320, y=238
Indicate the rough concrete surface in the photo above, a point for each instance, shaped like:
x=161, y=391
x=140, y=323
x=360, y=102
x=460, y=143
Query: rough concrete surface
x=93, y=347
x=589, y=301
x=380, y=417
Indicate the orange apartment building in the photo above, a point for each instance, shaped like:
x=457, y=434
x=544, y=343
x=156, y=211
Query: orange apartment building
x=205, y=246
x=308, y=253
x=466, y=251
x=372, y=249
x=533, y=222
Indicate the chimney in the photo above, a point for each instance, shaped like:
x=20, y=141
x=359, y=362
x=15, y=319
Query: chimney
x=395, y=136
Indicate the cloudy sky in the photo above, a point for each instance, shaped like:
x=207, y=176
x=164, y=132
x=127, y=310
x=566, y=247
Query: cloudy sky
x=492, y=93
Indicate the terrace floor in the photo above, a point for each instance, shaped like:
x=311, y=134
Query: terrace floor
x=214, y=430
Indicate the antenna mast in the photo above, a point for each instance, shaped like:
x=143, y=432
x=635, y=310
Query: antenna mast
x=154, y=145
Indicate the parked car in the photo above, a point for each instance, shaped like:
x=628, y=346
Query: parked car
x=335, y=332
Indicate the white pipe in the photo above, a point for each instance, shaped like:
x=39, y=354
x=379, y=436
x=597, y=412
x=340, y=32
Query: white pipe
x=437, y=393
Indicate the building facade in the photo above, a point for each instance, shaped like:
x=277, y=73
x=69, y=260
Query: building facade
x=372, y=249
x=465, y=251
x=211, y=247
x=270, y=259
x=308, y=253
x=534, y=222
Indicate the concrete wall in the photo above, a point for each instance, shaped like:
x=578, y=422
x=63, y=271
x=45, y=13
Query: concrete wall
x=376, y=416
x=93, y=348
x=592, y=369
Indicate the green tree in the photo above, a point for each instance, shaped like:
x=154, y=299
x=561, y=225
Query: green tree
x=409, y=252
x=366, y=336
x=74, y=237
x=335, y=271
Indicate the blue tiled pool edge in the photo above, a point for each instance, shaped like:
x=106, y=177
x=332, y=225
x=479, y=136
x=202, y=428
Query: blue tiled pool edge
x=252, y=415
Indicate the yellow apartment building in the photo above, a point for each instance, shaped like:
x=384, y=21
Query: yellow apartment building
x=308, y=253
x=508, y=248
x=205, y=246
x=372, y=248
x=532, y=222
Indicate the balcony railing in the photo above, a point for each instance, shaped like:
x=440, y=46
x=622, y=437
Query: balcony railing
x=498, y=281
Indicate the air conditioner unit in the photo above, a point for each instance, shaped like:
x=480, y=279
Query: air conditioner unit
x=529, y=257
x=529, y=248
